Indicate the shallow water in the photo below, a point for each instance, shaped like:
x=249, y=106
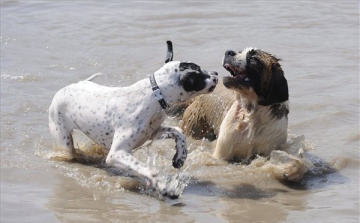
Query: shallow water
x=47, y=45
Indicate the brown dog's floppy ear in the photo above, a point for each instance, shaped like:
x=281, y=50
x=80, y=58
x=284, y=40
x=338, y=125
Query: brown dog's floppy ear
x=169, y=53
x=278, y=90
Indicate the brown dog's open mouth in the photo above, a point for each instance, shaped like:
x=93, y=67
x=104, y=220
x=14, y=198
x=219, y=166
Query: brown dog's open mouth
x=235, y=74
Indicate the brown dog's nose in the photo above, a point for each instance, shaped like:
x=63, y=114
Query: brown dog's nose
x=230, y=53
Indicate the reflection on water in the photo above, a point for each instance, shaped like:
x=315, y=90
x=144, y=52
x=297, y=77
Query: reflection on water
x=47, y=45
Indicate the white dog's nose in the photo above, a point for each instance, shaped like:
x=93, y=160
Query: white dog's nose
x=215, y=80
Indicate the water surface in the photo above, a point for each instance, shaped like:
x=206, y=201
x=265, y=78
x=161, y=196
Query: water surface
x=46, y=45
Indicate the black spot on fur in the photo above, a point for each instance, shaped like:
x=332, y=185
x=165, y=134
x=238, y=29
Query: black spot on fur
x=193, y=81
x=189, y=66
x=279, y=110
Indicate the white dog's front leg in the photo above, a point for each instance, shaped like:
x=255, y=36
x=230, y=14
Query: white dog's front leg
x=180, y=140
x=125, y=161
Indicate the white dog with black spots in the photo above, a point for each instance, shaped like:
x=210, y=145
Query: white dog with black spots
x=123, y=118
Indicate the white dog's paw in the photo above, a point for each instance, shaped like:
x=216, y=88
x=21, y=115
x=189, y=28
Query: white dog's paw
x=181, y=152
x=151, y=180
x=171, y=186
x=178, y=161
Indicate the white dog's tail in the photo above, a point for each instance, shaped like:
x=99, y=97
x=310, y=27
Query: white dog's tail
x=93, y=76
x=102, y=80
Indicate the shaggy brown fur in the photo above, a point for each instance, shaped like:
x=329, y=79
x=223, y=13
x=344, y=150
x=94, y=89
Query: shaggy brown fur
x=248, y=115
x=203, y=117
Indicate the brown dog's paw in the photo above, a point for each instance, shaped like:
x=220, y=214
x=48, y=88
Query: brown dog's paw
x=287, y=167
x=293, y=170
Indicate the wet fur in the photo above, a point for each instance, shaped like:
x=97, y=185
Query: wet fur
x=248, y=115
x=122, y=118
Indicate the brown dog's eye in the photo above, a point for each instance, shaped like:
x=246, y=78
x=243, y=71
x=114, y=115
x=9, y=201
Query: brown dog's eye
x=252, y=52
x=252, y=59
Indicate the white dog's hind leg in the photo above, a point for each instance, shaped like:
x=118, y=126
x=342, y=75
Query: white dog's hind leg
x=61, y=135
x=180, y=140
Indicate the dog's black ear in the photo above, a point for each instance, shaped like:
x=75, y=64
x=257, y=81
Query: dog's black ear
x=169, y=53
x=278, y=90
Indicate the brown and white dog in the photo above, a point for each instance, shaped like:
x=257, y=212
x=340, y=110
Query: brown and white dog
x=249, y=119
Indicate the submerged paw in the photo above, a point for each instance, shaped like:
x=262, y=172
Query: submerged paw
x=173, y=185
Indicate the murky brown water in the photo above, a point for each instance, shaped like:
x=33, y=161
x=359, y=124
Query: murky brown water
x=47, y=45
